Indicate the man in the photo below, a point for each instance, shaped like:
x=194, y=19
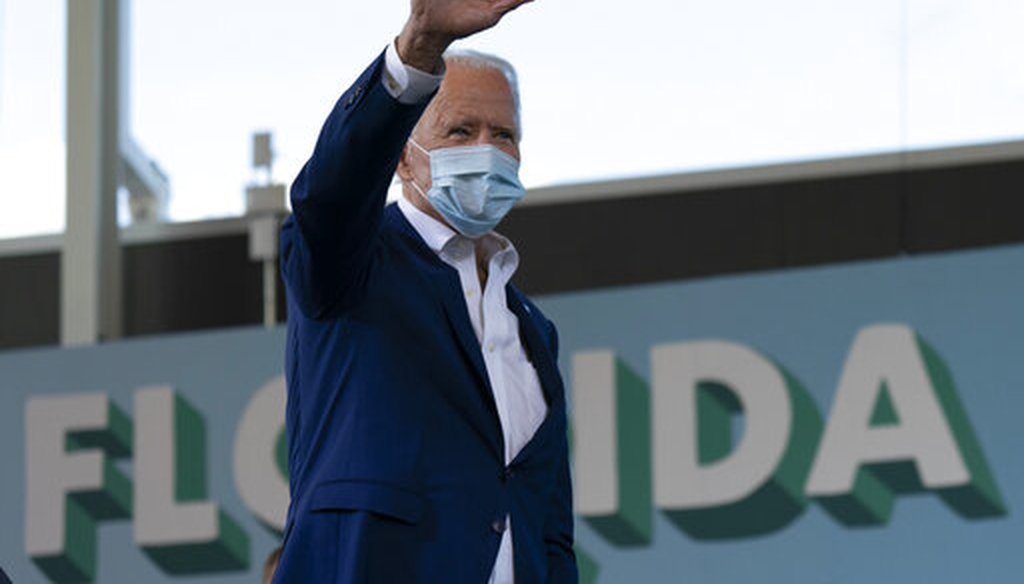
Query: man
x=426, y=416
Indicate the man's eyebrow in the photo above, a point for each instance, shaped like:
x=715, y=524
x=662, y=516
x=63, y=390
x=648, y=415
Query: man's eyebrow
x=459, y=121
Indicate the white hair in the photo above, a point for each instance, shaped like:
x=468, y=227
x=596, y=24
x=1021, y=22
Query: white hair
x=478, y=60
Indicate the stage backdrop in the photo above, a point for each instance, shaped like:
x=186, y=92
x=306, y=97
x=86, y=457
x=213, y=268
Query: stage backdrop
x=860, y=423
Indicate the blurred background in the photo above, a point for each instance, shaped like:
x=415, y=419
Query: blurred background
x=783, y=175
x=653, y=88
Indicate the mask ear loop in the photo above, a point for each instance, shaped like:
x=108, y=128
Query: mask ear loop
x=412, y=181
x=418, y=189
x=417, y=145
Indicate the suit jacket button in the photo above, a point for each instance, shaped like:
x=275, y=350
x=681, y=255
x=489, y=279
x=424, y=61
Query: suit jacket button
x=498, y=526
x=354, y=95
x=507, y=474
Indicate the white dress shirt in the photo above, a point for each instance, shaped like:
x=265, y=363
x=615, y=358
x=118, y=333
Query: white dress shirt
x=407, y=84
x=517, y=392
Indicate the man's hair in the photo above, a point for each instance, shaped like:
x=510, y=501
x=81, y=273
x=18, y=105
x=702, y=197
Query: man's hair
x=479, y=60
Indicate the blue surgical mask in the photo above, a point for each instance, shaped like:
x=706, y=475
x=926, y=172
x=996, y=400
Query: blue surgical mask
x=473, y=187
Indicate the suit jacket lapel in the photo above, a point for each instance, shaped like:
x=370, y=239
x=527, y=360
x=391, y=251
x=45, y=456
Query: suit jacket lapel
x=547, y=372
x=536, y=347
x=445, y=282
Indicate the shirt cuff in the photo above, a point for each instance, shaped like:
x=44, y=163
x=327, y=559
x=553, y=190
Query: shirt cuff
x=407, y=84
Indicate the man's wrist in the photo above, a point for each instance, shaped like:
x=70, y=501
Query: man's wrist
x=421, y=50
x=407, y=84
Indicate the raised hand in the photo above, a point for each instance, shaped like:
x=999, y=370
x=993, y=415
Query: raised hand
x=435, y=24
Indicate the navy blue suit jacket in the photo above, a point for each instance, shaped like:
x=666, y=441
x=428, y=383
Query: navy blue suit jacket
x=395, y=450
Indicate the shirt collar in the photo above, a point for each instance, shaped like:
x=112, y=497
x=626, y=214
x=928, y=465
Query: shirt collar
x=444, y=241
x=434, y=233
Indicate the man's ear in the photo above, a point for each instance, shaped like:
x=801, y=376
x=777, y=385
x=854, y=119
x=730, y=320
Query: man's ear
x=403, y=170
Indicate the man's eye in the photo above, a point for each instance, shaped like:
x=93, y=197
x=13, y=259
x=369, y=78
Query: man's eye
x=505, y=136
x=459, y=131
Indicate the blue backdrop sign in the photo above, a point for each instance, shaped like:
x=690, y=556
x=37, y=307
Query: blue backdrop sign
x=856, y=423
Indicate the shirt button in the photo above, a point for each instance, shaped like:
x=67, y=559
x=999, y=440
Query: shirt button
x=490, y=347
x=498, y=526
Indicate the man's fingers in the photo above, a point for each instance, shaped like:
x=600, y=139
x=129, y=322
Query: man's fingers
x=510, y=5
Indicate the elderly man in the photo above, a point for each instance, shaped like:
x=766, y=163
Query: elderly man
x=426, y=415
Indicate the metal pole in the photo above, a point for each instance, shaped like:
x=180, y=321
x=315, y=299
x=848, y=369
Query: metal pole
x=269, y=293
x=91, y=258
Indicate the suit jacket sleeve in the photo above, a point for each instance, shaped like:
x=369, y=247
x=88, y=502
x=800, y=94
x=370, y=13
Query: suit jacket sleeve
x=559, y=527
x=338, y=197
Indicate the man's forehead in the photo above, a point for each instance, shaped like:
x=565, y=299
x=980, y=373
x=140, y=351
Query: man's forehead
x=468, y=91
x=469, y=82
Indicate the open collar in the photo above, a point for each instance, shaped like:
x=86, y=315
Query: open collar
x=448, y=244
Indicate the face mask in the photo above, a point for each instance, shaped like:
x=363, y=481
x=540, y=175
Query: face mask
x=473, y=187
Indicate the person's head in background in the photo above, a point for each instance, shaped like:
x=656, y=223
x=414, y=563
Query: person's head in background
x=270, y=565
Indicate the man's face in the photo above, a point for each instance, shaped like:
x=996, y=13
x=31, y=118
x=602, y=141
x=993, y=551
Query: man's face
x=472, y=107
